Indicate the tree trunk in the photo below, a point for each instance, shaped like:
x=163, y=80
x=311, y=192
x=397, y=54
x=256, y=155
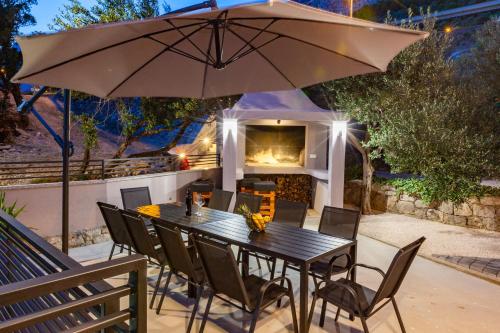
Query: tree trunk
x=86, y=160
x=368, y=170
x=171, y=145
x=123, y=146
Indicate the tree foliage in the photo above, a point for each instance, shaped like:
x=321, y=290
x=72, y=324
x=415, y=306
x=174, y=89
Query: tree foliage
x=429, y=116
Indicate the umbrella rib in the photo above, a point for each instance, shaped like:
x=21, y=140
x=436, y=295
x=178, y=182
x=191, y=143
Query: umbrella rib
x=264, y=57
x=209, y=50
x=167, y=48
x=178, y=51
x=189, y=39
x=311, y=44
x=104, y=49
x=235, y=55
x=250, y=50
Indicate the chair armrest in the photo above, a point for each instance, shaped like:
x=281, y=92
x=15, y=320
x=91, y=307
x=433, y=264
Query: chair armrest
x=265, y=286
x=381, y=272
x=334, y=258
x=350, y=290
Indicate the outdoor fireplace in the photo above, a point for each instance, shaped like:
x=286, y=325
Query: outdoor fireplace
x=275, y=146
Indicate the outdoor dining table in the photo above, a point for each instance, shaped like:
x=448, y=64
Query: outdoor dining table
x=298, y=246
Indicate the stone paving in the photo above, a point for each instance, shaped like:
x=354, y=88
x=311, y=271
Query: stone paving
x=470, y=249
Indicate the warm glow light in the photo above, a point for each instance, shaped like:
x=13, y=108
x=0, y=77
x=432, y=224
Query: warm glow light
x=182, y=155
x=448, y=29
x=206, y=141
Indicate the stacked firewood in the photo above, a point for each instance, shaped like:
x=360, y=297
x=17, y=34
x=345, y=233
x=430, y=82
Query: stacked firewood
x=291, y=187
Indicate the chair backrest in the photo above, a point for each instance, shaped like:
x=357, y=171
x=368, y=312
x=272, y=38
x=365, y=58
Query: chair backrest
x=252, y=202
x=135, y=197
x=115, y=223
x=339, y=222
x=175, y=250
x=290, y=212
x=221, y=269
x=139, y=233
x=220, y=200
x=397, y=271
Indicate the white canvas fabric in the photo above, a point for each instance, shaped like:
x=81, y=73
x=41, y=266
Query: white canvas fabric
x=264, y=47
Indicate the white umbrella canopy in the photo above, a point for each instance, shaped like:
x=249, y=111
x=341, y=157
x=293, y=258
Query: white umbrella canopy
x=258, y=47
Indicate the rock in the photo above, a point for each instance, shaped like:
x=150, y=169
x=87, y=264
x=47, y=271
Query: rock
x=420, y=204
x=474, y=222
x=483, y=211
x=490, y=201
x=6, y=147
x=463, y=210
x=434, y=215
x=408, y=198
x=421, y=213
x=391, y=203
x=490, y=224
x=379, y=201
x=405, y=207
x=446, y=207
x=454, y=220
x=390, y=193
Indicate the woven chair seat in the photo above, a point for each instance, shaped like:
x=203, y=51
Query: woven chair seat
x=253, y=284
x=342, y=298
x=321, y=267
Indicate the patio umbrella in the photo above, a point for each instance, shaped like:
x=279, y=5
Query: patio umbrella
x=258, y=47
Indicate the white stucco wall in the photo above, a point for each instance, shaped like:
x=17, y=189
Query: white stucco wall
x=43, y=201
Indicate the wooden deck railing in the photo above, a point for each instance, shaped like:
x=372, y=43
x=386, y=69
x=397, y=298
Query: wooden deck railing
x=43, y=290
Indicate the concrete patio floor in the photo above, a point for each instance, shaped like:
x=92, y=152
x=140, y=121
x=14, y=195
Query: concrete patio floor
x=433, y=298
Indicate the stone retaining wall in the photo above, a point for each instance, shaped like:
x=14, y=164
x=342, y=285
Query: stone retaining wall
x=483, y=213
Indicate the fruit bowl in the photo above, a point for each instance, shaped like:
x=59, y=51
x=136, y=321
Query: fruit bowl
x=255, y=221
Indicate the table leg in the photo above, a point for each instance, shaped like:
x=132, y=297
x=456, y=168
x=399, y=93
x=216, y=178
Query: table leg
x=304, y=297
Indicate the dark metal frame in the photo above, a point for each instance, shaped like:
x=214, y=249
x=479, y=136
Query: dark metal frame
x=46, y=286
x=384, y=295
x=247, y=306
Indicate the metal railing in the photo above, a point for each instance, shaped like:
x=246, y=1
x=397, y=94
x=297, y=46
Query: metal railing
x=43, y=290
x=51, y=171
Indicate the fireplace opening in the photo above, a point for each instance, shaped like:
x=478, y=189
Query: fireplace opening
x=275, y=146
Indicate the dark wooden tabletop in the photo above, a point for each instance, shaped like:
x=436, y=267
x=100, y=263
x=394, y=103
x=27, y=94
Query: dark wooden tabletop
x=175, y=214
x=296, y=245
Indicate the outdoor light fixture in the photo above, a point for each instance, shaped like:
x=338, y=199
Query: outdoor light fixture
x=278, y=121
x=182, y=156
x=206, y=141
x=448, y=29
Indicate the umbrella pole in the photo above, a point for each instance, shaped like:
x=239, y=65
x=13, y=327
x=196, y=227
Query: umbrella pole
x=65, y=167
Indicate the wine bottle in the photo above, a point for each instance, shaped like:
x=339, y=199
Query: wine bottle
x=189, y=202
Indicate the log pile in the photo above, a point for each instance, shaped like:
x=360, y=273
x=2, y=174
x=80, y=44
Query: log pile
x=290, y=187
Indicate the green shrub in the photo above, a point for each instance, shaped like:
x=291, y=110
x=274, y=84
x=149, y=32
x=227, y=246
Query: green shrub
x=12, y=210
x=439, y=190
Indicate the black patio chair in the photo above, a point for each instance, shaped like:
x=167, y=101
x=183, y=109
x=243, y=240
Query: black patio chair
x=290, y=212
x=135, y=197
x=225, y=281
x=146, y=244
x=252, y=201
x=220, y=200
x=116, y=227
x=287, y=212
x=361, y=301
x=182, y=262
x=336, y=222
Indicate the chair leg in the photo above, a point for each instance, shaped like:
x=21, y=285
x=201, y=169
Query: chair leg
x=165, y=289
x=311, y=311
x=323, y=313
x=156, y=287
x=207, y=310
x=258, y=263
x=121, y=249
x=398, y=315
x=294, y=312
x=255, y=317
x=238, y=258
x=199, y=291
x=365, y=327
x=112, y=251
x=129, y=250
x=273, y=268
x=337, y=314
x=268, y=264
x=282, y=283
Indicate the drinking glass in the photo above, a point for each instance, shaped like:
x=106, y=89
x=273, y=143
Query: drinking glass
x=199, y=202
